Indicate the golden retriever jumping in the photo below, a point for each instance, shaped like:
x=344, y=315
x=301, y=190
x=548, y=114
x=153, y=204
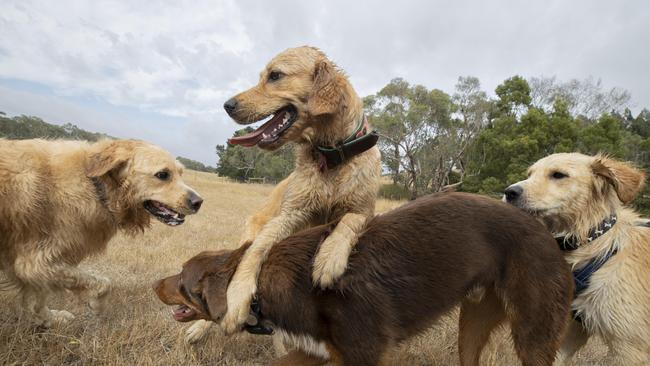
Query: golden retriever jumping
x=61, y=201
x=582, y=199
x=337, y=171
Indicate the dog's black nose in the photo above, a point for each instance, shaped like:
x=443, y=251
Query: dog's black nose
x=194, y=201
x=230, y=105
x=513, y=192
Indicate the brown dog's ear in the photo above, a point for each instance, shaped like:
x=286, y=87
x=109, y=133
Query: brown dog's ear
x=326, y=95
x=214, y=294
x=626, y=180
x=112, y=157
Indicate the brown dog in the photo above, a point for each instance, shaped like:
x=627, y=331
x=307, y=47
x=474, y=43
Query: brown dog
x=410, y=266
x=62, y=201
x=583, y=200
x=313, y=105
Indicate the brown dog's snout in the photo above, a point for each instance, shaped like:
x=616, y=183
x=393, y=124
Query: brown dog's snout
x=230, y=106
x=513, y=193
x=194, y=201
x=156, y=285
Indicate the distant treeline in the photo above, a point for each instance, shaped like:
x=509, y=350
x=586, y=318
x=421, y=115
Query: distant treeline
x=29, y=127
x=196, y=165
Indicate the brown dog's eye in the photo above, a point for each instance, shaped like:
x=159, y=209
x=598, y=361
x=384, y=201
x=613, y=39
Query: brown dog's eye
x=558, y=175
x=162, y=175
x=274, y=75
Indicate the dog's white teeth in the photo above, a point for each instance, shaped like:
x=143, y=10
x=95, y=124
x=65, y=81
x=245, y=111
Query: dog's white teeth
x=265, y=135
x=286, y=118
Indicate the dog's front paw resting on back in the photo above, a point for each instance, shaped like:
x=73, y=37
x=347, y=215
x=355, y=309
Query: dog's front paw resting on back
x=197, y=331
x=331, y=260
x=239, y=297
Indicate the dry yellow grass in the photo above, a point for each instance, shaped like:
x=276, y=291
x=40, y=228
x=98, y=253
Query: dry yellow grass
x=138, y=330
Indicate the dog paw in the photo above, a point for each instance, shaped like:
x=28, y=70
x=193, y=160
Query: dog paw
x=239, y=297
x=60, y=316
x=97, y=300
x=330, y=263
x=197, y=331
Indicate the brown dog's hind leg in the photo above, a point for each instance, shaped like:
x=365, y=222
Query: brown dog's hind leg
x=538, y=319
x=576, y=337
x=477, y=320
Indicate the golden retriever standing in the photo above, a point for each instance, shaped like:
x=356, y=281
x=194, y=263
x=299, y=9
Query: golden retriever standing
x=582, y=200
x=313, y=105
x=61, y=201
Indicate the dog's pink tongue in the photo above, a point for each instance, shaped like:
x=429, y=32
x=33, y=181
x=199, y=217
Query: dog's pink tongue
x=182, y=311
x=251, y=139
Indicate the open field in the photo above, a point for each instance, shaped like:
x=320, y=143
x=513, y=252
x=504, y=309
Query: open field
x=137, y=329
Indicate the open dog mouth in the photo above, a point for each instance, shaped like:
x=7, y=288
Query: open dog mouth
x=163, y=213
x=183, y=313
x=270, y=131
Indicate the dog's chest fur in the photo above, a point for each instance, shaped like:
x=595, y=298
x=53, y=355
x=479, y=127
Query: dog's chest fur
x=352, y=184
x=618, y=295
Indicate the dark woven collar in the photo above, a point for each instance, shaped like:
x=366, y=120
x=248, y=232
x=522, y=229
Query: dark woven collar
x=571, y=243
x=255, y=325
x=329, y=157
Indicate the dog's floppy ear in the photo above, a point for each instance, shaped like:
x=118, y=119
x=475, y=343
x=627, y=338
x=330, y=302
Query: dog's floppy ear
x=326, y=95
x=112, y=157
x=214, y=294
x=626, y=180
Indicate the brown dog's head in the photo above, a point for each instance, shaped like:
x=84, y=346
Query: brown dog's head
x=572, y=192
x=138, y=180
x=199, y=291
x=301, y=90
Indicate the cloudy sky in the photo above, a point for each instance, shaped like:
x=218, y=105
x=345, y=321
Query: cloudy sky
x=160, y=70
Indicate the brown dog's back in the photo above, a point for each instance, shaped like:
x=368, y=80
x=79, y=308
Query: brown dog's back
x=417, y=262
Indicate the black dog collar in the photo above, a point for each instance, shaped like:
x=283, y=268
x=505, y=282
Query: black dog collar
x=571, y=243
x=255, y=317
x=329, y=157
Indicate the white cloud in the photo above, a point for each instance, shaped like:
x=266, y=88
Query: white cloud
x=183, y=59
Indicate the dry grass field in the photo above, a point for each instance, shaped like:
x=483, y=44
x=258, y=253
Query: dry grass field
x=137, y=329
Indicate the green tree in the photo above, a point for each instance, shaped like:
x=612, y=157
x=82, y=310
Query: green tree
x=416, y=125
x=509, y=144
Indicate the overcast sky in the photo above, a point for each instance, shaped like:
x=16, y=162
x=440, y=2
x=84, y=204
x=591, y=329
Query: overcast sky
x=161, y=70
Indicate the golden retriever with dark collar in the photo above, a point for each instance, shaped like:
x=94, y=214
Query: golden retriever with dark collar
x=313, y=105
x=583, y=201
x=61, y=201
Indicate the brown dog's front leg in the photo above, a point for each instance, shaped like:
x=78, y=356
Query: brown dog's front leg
x=332, y=257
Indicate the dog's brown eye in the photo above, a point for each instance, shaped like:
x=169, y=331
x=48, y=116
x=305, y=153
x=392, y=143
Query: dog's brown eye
x=274, y=75
x=558, y=175
x=162, y=175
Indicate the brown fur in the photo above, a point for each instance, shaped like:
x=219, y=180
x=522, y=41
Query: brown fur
x=52, y=215
x=410, y=266
x=616, y=305
x=328, y=111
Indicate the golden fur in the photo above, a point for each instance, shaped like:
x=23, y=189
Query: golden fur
x=61, y=201
x=616, y=305
x=328, y=111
